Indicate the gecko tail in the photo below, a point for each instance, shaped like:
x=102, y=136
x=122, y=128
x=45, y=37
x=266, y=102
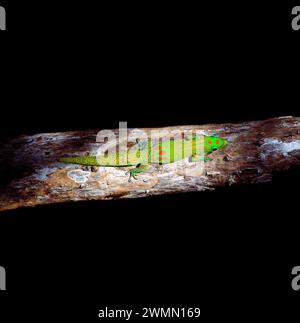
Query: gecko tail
x=69, y=160
x=83, y=160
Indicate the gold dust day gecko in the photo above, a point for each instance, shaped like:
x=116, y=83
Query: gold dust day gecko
x=148, y=152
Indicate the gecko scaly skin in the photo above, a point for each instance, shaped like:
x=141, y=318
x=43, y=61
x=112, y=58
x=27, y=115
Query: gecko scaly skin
x=165, y=152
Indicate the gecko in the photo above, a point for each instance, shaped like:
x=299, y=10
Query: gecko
x=148, y=152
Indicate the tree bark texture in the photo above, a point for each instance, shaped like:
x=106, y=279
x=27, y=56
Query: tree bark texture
x=31, y=174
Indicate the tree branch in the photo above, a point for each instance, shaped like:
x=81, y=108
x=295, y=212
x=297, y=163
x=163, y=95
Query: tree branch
x=30, y=173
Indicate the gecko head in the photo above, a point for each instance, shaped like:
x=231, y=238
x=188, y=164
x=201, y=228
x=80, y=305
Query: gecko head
x=215, y=143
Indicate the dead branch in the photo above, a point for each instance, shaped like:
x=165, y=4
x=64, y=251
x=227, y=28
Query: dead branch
x=31, y=174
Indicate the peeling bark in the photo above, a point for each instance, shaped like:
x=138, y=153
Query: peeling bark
x=30, y=173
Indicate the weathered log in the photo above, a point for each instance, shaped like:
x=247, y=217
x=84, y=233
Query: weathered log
x=31, y=174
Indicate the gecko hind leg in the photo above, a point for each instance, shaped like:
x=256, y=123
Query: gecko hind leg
x=138, y=169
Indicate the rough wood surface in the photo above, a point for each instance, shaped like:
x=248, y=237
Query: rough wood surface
x=30, y=173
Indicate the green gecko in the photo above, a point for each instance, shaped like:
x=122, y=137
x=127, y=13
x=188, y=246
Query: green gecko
x=164, y=152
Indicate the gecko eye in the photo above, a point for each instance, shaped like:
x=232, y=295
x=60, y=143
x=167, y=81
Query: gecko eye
x=214, y=148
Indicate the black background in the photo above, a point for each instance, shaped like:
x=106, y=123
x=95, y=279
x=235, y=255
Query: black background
x=82, y=66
